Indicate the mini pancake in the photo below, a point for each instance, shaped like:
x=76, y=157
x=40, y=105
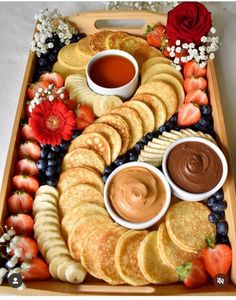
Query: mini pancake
x=161, y=68
x=83, y=47
x=114, y=39
x=77, y=176
x=131, y=43
x=173, y=82
x=126, y=260
x=66, y=71
x=170, y=253
x=145, y=114
x=163, y=91
x=98, y=40
x=151, y=264
x=133, y=120
x=156, y=105
x=78, y=194
x=154, y=60
x=188, y=225
x=82, y=157
x=121, y=126
x=145, y=52
x=94, y=141
x=83, y=227
x=84, y=209
x=111, y=135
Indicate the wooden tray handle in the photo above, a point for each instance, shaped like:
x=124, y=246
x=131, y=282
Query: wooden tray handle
x=88, y=21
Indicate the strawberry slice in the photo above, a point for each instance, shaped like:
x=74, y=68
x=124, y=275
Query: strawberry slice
x=27, y=183
x=27, y=133
x=192, y=68
x=71, y=103
x=197, y=96
x=38, y=271
x=28, y=246
x=53, y=78
x=188, y=114
x=33, y=88
x=19, y=202
x=156, y=35
x=23, y=224
x=27, y=167
x=85, y=116
x=193, y=83
x=29, y=150
x=193, y=274
x=217, y=259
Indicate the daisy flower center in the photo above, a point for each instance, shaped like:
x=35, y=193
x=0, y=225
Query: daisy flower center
x=52, y=122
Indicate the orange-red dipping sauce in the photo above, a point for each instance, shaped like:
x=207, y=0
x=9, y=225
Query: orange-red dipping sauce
x=112, y=71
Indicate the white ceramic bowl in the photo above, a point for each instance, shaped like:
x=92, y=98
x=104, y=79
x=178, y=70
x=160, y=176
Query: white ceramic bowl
x=140, y=225
x=182, y=194
x=124, y=91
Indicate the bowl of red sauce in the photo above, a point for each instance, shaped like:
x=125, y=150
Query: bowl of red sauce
x=113, y=72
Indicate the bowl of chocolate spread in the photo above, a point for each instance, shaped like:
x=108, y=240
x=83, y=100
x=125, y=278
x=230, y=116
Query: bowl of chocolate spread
x=195, y=168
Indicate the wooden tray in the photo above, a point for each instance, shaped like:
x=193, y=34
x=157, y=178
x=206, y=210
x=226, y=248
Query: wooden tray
x=86, y=23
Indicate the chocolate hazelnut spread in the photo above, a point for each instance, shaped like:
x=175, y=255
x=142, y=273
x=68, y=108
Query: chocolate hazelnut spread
x=137, y=194
x=194, y=167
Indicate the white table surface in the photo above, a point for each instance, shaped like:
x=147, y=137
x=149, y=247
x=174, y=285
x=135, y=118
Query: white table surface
x=16, y=28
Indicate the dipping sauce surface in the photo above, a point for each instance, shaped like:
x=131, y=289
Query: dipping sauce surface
x=194, y=167
x=137, y=194
x=112, y=71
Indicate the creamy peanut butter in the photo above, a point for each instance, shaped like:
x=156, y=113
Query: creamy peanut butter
x=137, y=194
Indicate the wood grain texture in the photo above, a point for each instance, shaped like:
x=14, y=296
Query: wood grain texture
x=85, y=22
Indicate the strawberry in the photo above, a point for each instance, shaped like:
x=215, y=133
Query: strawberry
x=71, y=103
x=197, y=96
x=33, y=88
x=85, y=116
x=19, y=202
x=193, y=83
x=27, y=183
x=193, y=274
x=38, y=271
x=156, y=36
x=192, y=68
x=22, y=224
x=28, y=246
x=27, y=167
x=53, y=78
x=62, y=94
x=188, y=114
x=217, y=259
x=29, y=150
x=27, y=112
x=26, y=133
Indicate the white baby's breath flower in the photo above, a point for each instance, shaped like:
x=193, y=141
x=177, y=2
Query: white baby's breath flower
x=176, y=60
x=177, y=42
x=185, y=46
x=212, y=56
x=172, y=54
x=202, y=64
x=178, y=68
x=25, y=266
x=191, y=45
x=213, y=30
x=204, y=39
x=178, y=50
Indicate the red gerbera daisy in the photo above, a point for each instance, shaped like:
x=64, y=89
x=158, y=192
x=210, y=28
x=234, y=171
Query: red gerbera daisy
x=52, y=122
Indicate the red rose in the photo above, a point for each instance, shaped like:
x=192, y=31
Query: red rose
x=188, y=22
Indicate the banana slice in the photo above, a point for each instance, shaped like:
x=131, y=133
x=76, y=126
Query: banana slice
x=51, y=243
x=43, y=237
x=47, y=189
x=45, y=220
x=56, y=262
x=46, y=213
x=154, y=150
x=55, y=251
x=43, y=206
x=160, y=146
x=155, y=163
x=179, y=134
x=49, y=227
x=167, y=139
x=75, y=273
x=189, y=132
x=61, y=270
x=45, y=197
x=155, y=156
x=170, y=135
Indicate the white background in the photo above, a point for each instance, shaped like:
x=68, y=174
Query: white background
x=16, y=28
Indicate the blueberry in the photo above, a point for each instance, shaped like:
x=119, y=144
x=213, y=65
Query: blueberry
x=139, y=146
x=221, y=215
x=144, y=140
x=104, y=177
x=58, y=169
x=205, y=110
x=222, y=228
x=77, y=37
x=52, y=163
x=211, y=202
x=56, y=49
x=52, y=57
x=50, y=40
x=108, y=170
x=219, y=195
x=219, y=206
x=132, y=155
x=52, y=181
x=65, y=145
x=120, y=161
x=174, y=118
x=42, y=177
x=44, y=153
x=222, y=239
x=42, y=62
x=51, y=155
x=61, y=155
x=156, y=134
x=169, y=125
x=41, y=164
x=177, y=128
x=162, y=129
x=58, y=161
x=50, y=171
x=150, y=135
x=212, y=133
x=201, y=128
x=205, y=122
x=56, y=149
x=213, y=218
x=75, y=134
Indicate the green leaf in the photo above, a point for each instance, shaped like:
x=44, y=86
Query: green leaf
x=184, y=270
x=149, y=28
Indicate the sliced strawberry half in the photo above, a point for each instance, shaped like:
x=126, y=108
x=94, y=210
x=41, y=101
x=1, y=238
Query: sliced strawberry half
x=27, y=183
x=192, y=69
x=27, y=133
x=197, y=96
x=27, y=167
x=28, y=246
x=85, y=116
x=23, y=224
x=29, y=150
x=19, y=202
x=33, y=88
x=156, y=36
x=53, y=78
x=195, y=83
x=38, y=271
x=188, y=114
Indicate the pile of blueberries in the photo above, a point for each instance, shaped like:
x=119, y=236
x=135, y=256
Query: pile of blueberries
x=45, y=62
